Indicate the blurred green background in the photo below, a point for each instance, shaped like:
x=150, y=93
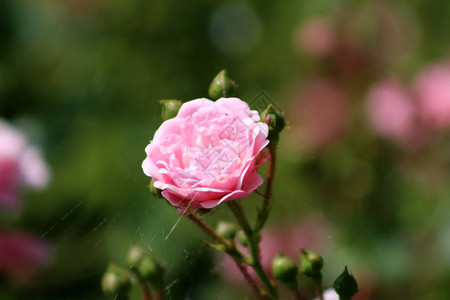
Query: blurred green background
x=82, y=78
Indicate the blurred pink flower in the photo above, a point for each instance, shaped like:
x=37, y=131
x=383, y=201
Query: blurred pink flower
x=391, y=110
x=209, y=153
x=432, y=87
x=320, y=113
x=21, y=254
x=20, y=164
x=34, y=169
x=316, y=37
x=393, y=114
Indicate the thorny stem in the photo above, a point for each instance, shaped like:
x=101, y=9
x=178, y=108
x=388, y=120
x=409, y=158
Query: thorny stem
x=253, y=247
x=240, y=216
x=250, y=280
x=218, y=239
x=206, y=229
x=265, y=209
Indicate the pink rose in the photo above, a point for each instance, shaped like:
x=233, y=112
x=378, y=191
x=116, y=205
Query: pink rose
x=208, y=153
x=433, y=94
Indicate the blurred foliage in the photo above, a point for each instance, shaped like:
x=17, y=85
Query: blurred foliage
x=85, y=76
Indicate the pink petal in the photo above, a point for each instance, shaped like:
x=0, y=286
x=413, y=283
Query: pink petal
x=190, y=107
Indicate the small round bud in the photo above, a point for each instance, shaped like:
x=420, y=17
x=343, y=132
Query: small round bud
x=222, y=86
x=170, y=108
x=345, y=285
x=156, y=192
x=116, y=282
x=242, y=238
x=226, y=230
x=150, y=269
x=310, y=263
x=134, y=256
x=275, y=120
x=285, y=271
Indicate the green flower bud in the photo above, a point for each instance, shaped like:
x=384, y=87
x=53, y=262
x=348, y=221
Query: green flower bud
x=242, y=238
x=311, y=264
x=154, y=190
x=345, y=285
x=276, y=122
x=134, y=256
x=170, y=108
x=285, y=271
x=116, y=282
x=222, y=86
x=150, y=270
x=226, y=230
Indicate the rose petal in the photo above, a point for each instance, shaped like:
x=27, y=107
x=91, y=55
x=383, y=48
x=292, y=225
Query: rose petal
x=208, y=153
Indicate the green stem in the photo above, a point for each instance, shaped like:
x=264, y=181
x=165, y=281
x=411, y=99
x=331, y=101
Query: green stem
x=207, y=230
x=265, y=209
x=253, y=247
x=231, y=251
x=250, y=280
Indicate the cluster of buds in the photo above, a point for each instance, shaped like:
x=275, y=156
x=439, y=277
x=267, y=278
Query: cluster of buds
x=310, y=266
x=116, y=282
x=143, y=268
x=286, y=271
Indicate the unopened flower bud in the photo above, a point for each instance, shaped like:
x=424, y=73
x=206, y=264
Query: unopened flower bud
x=345, y=285
x=310, y=263
x=170, y=108
x=276, y=122
x=222, y=86
x=226, y=230
x=116, y=282
x=242, y=238
x=154, y=190
x=134, y=256
x=285, y=271
x=149, y=269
